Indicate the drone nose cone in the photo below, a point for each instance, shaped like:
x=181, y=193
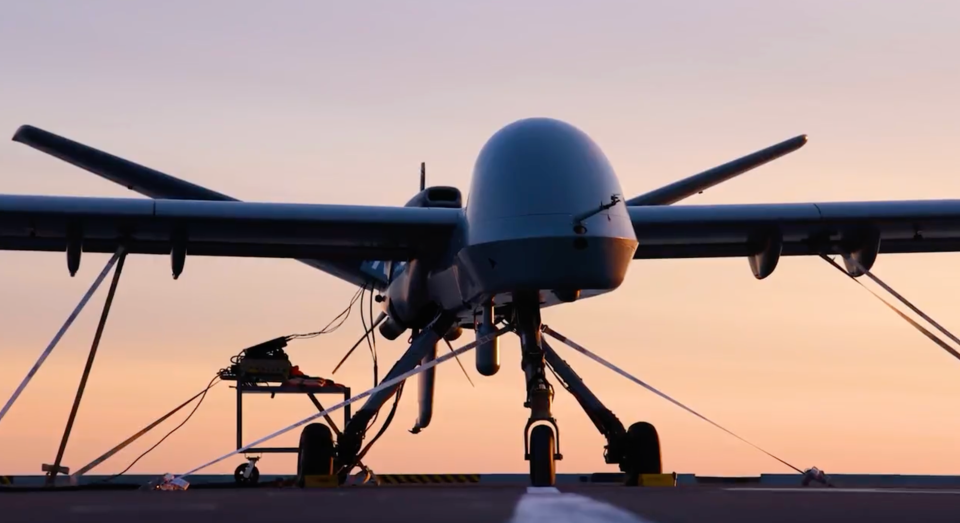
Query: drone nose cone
x=539, y=214
x=539, y=166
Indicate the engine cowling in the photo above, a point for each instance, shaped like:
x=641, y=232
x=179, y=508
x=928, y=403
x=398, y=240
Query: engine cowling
x=407, y=302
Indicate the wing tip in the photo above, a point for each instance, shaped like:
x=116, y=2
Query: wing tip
x=22, y=131
x=788, y=146
x=31, y=135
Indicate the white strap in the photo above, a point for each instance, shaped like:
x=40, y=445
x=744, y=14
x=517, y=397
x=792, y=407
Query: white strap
x=923, y=330
x=60, y=333
x=643, y=384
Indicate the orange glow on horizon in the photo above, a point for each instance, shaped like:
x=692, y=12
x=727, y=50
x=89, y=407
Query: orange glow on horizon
x=305, y=108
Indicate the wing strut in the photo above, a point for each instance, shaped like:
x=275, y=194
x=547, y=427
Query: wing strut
x=55, y=469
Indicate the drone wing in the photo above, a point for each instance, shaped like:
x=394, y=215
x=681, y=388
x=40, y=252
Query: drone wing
x=155, y=184
x=681, y=189
x=223, y=228
x=767, y=231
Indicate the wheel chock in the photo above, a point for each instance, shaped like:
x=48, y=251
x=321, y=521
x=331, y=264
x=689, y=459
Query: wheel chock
x=320, y=481
x=45, y=467
x=658, y=480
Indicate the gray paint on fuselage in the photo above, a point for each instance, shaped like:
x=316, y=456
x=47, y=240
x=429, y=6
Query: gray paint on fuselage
x=529, y=182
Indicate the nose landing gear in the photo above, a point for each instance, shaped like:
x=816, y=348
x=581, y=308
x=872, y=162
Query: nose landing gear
x=542, y=443
x=636, y=451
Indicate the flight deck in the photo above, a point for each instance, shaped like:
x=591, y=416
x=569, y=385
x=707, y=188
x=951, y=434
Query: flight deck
x=494, y=504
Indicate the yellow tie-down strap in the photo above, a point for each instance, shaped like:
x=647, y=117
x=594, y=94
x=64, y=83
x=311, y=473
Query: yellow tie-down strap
x=658, y=480
x=426, y=479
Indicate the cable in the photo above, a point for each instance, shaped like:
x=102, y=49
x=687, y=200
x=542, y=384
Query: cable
x=382, y=316
x=373, y=338
x=182, y=423
x=367, y=335
x=370, y=336
x=107, y=455
x=386, y=422
x=327, y=329
x=342, y=317
x=330, y=327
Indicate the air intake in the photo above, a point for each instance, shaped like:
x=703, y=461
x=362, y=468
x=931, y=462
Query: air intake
x=443, y=194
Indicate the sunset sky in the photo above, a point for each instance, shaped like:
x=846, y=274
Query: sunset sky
x=334, y=102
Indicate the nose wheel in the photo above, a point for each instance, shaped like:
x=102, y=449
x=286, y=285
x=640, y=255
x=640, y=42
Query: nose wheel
x=542, y=454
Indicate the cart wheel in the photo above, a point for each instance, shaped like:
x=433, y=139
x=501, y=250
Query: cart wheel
x=238, y=475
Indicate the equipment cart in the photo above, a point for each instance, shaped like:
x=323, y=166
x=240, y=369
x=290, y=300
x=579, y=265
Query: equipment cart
x=265, y=369
x=241, y=474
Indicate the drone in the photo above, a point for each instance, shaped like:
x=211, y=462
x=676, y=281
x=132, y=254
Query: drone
x=546, y=224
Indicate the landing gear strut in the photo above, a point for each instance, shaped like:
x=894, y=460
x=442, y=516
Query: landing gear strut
x=542, y=443
x=349, y=447
x=636, y=450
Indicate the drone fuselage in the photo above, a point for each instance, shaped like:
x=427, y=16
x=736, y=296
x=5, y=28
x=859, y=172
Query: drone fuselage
x=545, y=215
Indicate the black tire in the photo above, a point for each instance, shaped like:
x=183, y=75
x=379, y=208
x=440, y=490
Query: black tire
x=543, y=471
x=643, y=452
x=240, y=480
x=315, y=454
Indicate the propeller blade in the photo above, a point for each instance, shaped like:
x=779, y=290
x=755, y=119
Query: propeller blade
x=376, y=322
x=460, y=363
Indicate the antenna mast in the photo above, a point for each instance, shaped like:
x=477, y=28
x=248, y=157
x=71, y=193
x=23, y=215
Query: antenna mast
x=423, y=175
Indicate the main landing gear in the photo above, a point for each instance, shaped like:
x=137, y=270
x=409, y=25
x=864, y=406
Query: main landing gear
x=636, y=451
x=349, y=451
x=316, y=453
